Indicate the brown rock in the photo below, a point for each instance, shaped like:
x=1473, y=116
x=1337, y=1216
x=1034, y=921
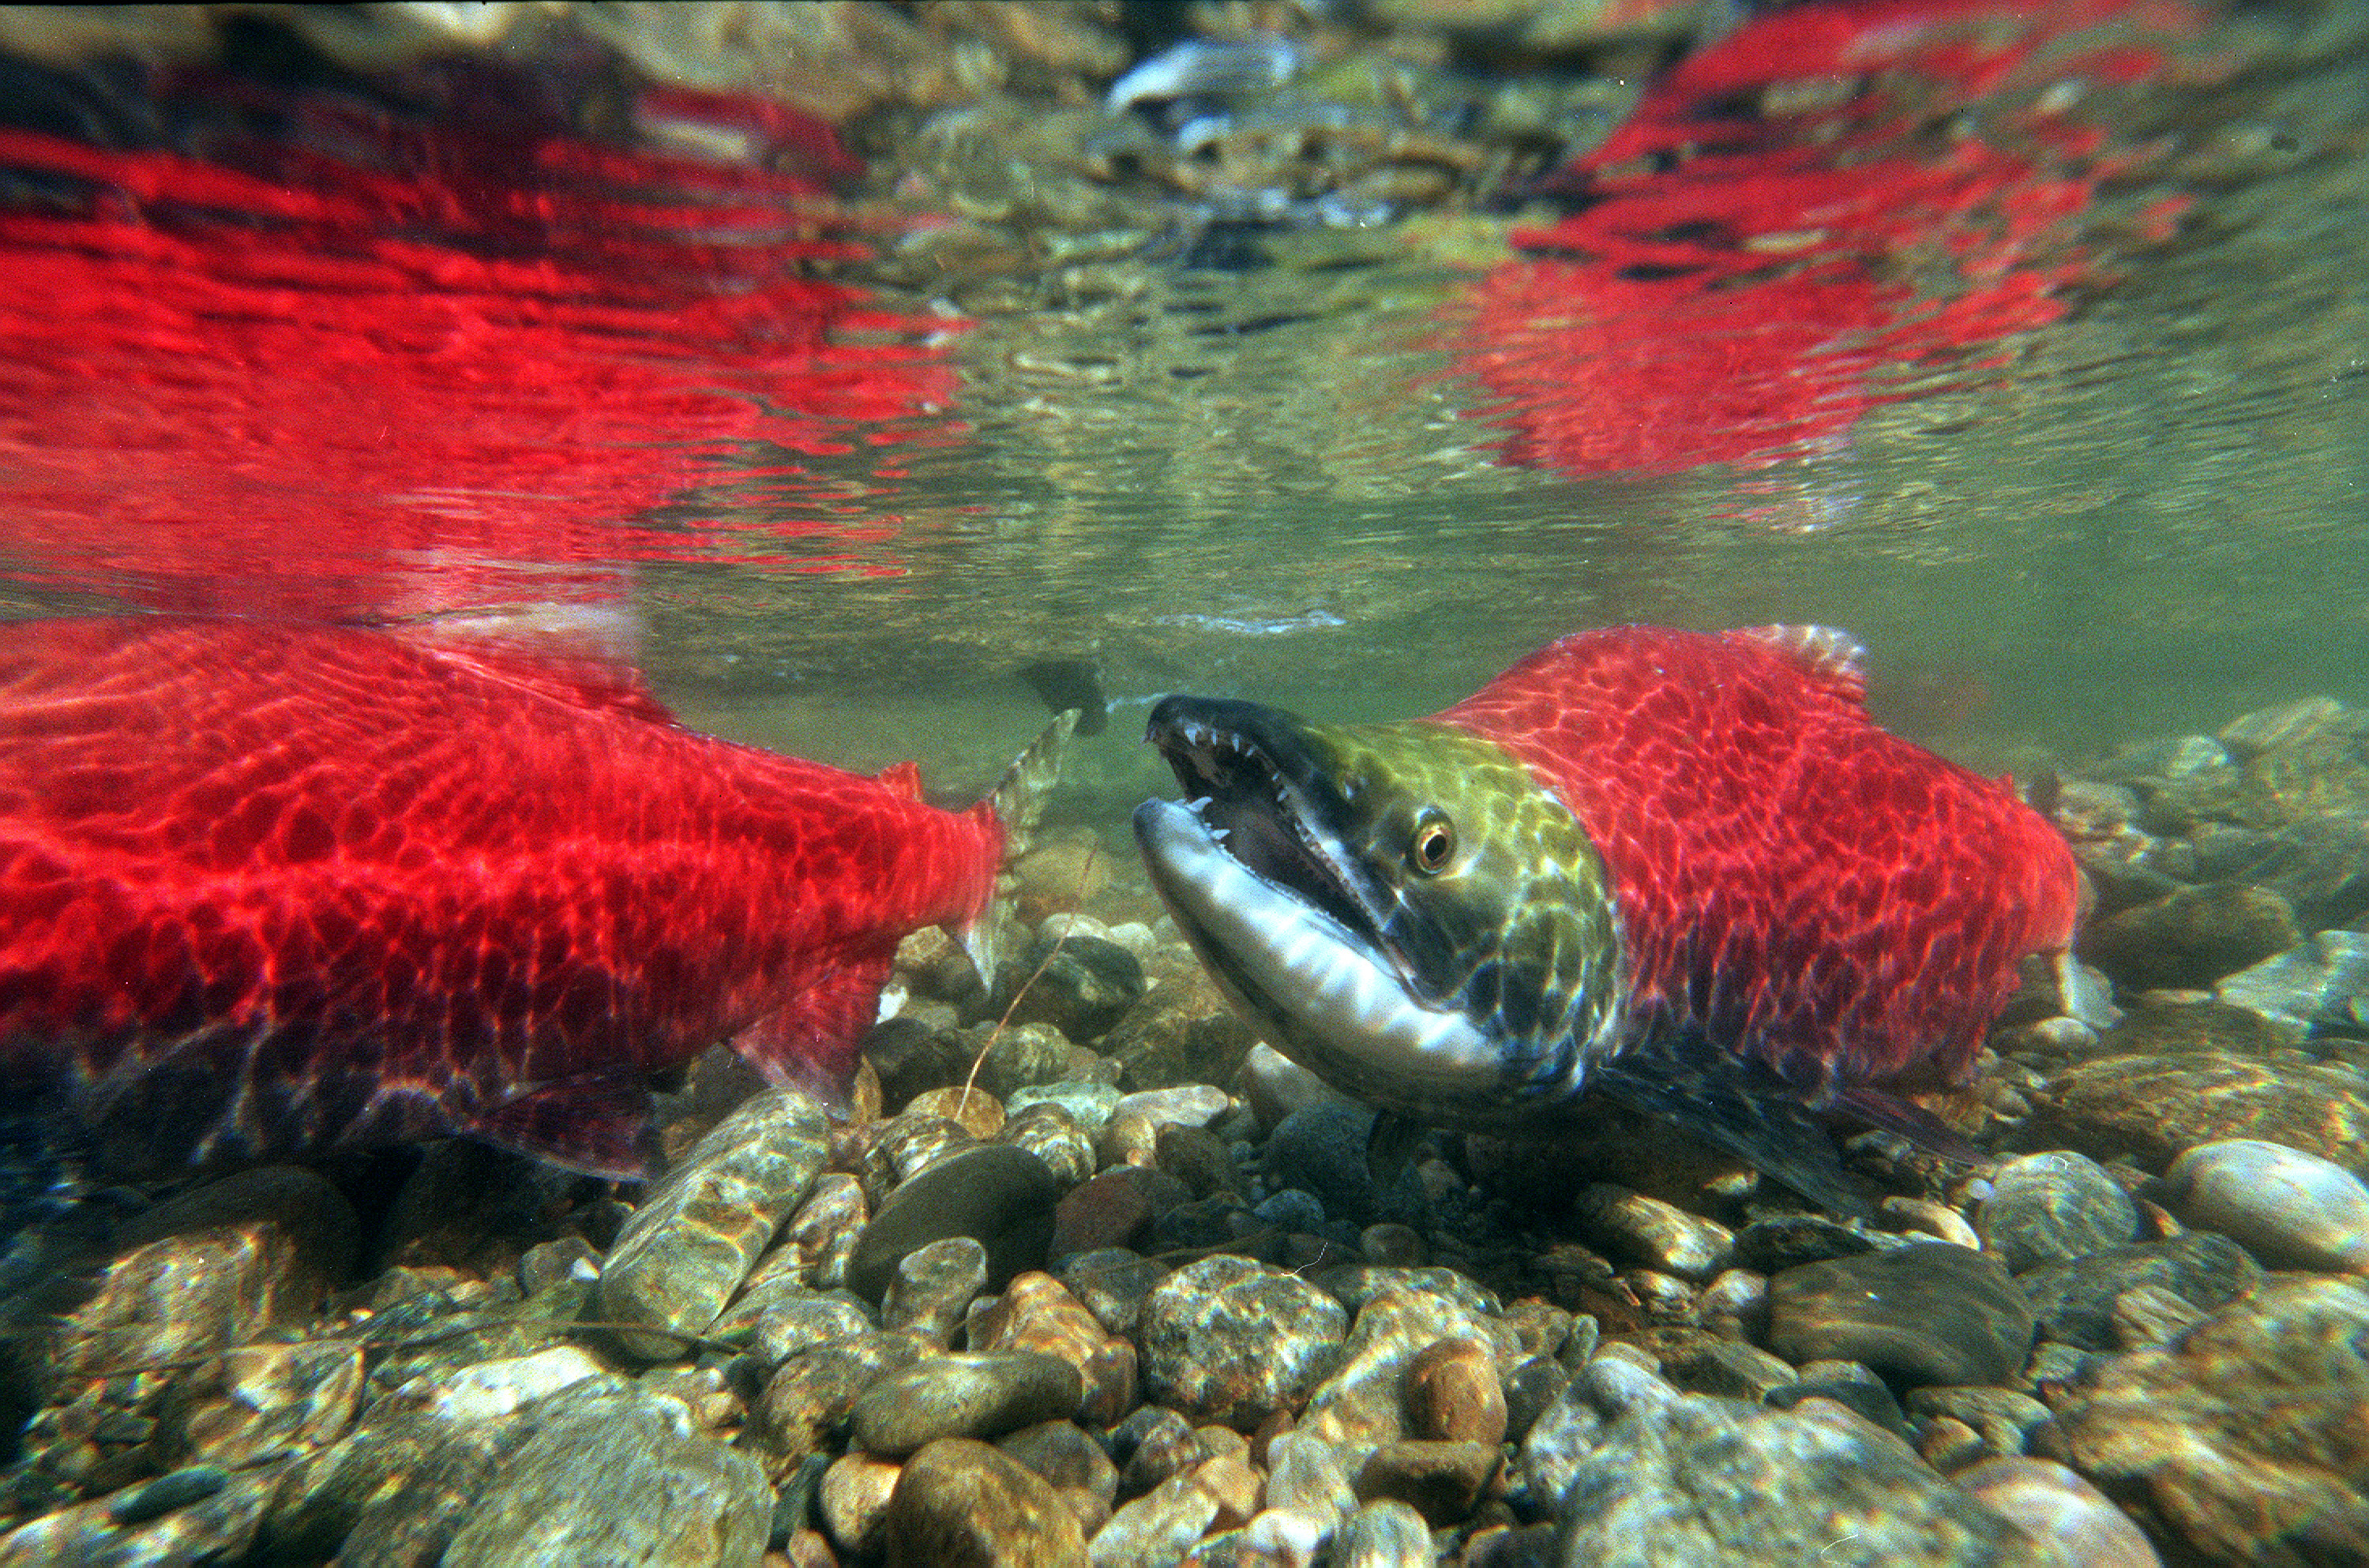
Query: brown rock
x=1036, y=1312
x=1453, y=1394
x=2153, y=1107
x=2191, y=937
x=854, y=1501
x=960, y=1504
x=1439, y=1480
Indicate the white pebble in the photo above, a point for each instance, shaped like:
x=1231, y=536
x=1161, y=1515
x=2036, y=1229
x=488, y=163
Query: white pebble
x=2288, y=1206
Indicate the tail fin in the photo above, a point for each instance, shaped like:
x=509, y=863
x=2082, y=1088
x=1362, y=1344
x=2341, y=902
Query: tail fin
x=1018, y=801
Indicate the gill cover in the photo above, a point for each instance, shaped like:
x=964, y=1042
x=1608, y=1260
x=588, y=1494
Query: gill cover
x=1398, y=907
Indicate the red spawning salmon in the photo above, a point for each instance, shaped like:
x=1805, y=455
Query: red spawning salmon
x=265, y=886
x=1685, y=870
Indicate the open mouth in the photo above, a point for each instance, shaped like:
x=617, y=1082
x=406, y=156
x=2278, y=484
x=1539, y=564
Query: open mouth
x=1254, y=788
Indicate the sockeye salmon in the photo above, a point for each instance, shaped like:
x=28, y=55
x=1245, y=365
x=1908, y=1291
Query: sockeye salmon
x=265, y=888
x=1685, y=870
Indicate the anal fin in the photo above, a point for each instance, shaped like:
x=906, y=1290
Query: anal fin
x=599, y=1126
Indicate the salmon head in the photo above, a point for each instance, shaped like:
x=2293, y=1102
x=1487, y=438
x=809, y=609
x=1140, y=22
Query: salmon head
x=1398, y=907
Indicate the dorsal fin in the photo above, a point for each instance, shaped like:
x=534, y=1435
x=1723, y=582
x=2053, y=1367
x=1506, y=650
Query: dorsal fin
x=1829, y=655
x=579, y=654
x=901, y=779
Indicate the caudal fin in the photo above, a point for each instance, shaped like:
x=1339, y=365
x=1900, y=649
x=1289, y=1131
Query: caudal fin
x=1018, y=802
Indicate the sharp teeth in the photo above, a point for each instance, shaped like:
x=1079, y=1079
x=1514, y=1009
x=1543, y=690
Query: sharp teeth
x=1220, y=834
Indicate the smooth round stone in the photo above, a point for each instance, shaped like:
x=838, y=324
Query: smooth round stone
x=854, y=1501
x=1111, y=1283
x=2003, y=1418
x=1364, y=1400
x=934, y=1284
x=1152, y=1444
x=1053, y=1135
x=1938, y=1221
x=2064, y=1513
x=997, y=1195
x=1275, y=1086
x=1076, y=1465
x=490, y=1389
x=1924, y=1313
x=1015, y=1055
x=1711, y=1480
x=2048, y=1208
x=1529, y=1389
x=2154, y=1107
x=2074, y=1302
x=2323, y=981
x=1648, y=1231
x=1089, y=1104
x=1116, y=1208
x=1563, y=1434
x=822, y=1233
x=1355, y=1285
x=1228, y=1340
x=1387, y=1534
x=1726, y=1366
x=1321, y=1148
x=1179, y=1104
x=814, y=1390
x=1453, y=1394
x=1767, y=1246
x=2289, y=1208
x=1736, y=1302
x=1440, y=1480
x=1159, y=1526
x=974, y=1110
x=1036, y=1312
x=2192, y=937
x=960, y=1504
x=1304, y=1474
x=980, y=1395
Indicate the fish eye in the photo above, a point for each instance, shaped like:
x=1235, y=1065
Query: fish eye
x=1433, y=844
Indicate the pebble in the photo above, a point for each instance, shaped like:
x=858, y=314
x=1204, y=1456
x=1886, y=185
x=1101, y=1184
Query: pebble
x=260, y=1401
x=1229, y=1340
x=1001, y=1196
x=2322, y=983
x=800, y=1322
x=1529, y=1389
x=1362, y=1401
x=854, y=1501
x=2148, y=1314
x=932, y=1286
x=1646, y=1230
x=1152, y=1444
x=2050, y=1207
x=1180, y=1104
x=1111, y=1283
x=2078, y=1525
x=1737, y=1304
x=1305, y=1476
x=960, y=1504
x=821, y=1234
x=692, y=1241
x=1928, y=1313
x=814, y=1390
x=1729, y=1368
x=1387, y=1534
x=1156, y=1530
x=1788, y=1241
x=1936, y=1220
x=1275, y=1086
x=982, y=1394
x=2241, y=1446
x=2289, y=1208
x=1053, y=1135
x=1073, y=1462
x=1077, y=983
x=578, y=1490
x=1182, y=1032
x=1089, y=1104
x=1441, y=1480
x=1115, y=1209
x=1321, y=1148
x=1036, y=1312
x=2003, y=1419
x=1013, y=1055
x=974, y=1110
x=1701, y=1480
x=1453, y=1393
x=2074, y=1302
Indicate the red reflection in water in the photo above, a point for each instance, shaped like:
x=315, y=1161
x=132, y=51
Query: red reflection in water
x=373, y=367
x=1753, y=270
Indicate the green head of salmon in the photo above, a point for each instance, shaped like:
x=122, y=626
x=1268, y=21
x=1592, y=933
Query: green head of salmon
x=1399, y=907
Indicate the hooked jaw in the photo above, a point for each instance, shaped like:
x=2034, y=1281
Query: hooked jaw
x=1288, y=870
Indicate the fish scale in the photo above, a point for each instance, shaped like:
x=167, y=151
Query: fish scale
x=265, y=886
x=1795, y=880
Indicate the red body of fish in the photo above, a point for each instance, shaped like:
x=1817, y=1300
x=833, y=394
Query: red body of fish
x=1799, y=885
x=265, y=886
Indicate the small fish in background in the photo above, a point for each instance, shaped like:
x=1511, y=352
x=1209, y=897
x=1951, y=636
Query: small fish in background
x=1683, y=870
x=267, y=886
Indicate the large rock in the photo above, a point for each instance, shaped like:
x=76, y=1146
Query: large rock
x=2151, y=1107
x=1228, y=1340
x=1929, y=1312
x=1698, y=1480
x=2243, y=1444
